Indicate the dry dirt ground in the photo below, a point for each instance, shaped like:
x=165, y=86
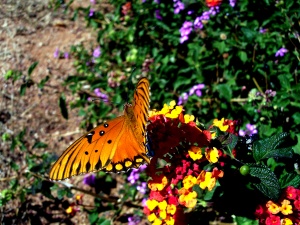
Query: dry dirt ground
x=31, y=31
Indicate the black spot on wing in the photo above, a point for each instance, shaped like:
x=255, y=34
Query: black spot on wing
x=106, y=125
x=102, y=132
x=98, y=166
x=77, y=170
x=87, y=166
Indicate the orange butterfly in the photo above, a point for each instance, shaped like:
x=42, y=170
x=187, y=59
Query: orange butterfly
x=116, y=145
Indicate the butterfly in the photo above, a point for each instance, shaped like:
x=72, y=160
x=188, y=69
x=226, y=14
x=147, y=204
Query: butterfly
x=114, y=146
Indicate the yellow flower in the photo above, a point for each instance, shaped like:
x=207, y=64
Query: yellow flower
x=175, y=112
x=171, y=209
x=188, y=118
x=151, y=204
x=287, y=221
x=195, y=153
x=69, y=210
x=206, y=180
x=187, y=198
x=212, y=155
x=272, y=207
x=165, y=110
x=158, y=186
x=189, y=181
x=157, y=221
x=152, y=217
x=219, y=124
x=286, y=208
x=163, y=214
x=170, y=221
x=162, y=205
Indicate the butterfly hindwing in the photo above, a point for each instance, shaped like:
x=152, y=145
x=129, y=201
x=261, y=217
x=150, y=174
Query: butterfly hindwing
x=116, y=145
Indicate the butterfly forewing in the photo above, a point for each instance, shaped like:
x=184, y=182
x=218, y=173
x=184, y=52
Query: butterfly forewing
x=141, y=103
x=114, y=146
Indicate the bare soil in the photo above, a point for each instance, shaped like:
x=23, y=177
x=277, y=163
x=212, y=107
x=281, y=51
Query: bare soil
x=30, y=31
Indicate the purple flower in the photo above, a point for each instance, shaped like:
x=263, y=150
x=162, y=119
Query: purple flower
x=98, y=93
x=250, y=130
x=157, y=14
x=232, y=3
x=142, y=188
x=66, y=55
x=97, y=52
x=281, y=52
x=157, y=1
x=196, y=89
x=205, y=16
x=91, y=13
x=93, y=2
x=178, y=6
x=56, y=53
x=89, y=179
x=270, y=93
x=198, y=23
x=134, y=220
x=135, y=174
x=185, y=31
x=262, y=30
x=183, y=98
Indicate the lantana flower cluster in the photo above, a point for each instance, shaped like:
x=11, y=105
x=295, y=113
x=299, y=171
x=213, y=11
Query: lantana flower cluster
x=285, y=211
x=184, y=161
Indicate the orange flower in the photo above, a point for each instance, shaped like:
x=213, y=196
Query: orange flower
x=213, y=3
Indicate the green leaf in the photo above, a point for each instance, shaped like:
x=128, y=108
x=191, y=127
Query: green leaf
x=225, y=91
x=269, y=184
x=93, y=217
x=297, y=146
x=23, y=89
x=43, y=82
x=245, y=221
x=5, y=196
x=269, y=148
x=63, y=106
x=243, y=56
x=291, y=179
x=40, y=145
x=32, y=67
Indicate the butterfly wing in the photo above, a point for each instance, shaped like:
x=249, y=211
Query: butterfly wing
x=133, y=143
x=113, y=146
x=141, y=104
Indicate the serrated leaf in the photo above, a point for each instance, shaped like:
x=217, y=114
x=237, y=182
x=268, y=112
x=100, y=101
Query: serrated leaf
x=32, y=67
x=269, y=184
x=268, y=148
x=290, y=180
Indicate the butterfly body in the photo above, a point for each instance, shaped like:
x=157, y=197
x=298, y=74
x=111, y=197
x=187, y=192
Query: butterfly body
x=116, y=145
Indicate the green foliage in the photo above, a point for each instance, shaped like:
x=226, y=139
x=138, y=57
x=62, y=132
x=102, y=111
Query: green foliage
x=269, y=148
